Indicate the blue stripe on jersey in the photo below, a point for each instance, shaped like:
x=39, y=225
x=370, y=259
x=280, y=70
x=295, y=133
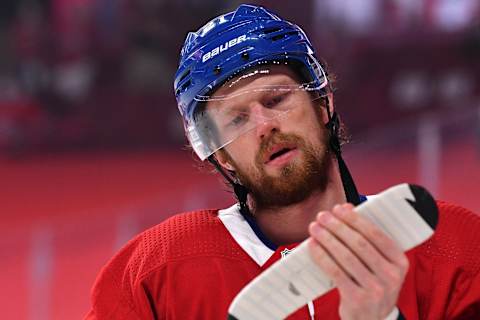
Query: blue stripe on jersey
x=259, y=233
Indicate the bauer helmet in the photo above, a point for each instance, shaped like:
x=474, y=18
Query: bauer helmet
x=228, y=45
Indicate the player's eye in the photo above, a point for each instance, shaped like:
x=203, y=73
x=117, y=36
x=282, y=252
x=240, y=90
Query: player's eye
x=238, y=120
x=275, y=100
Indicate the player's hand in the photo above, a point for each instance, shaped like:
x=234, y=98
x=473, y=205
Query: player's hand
x=367, y=267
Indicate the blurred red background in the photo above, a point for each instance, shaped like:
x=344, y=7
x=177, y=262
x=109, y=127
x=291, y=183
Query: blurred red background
x=91, y=143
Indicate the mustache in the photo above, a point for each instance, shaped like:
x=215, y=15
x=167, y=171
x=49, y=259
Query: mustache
x=274, y=139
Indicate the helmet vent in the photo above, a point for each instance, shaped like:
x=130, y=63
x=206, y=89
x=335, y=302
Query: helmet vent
x=284, y=35
x=271, y=30
x=186, y=74
x=185, y=85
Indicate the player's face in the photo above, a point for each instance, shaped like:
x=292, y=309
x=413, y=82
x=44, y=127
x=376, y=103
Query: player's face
x=283, y=160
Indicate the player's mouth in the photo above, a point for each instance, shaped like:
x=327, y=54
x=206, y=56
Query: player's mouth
x=280, y=155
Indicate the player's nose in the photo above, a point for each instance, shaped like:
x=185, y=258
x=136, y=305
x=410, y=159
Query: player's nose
x=267, y=122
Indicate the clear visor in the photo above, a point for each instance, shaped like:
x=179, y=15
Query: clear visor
x=246, y=102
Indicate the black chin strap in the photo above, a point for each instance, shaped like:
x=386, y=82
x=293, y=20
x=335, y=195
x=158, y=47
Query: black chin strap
x=333, y=126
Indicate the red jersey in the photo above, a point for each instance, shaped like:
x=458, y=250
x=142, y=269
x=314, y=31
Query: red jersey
x=192, y=265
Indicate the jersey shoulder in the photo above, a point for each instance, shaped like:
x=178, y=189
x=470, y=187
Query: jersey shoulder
x=456, y=238
x=181, y=237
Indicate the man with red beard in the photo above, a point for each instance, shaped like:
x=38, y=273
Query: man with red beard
x=258, y=105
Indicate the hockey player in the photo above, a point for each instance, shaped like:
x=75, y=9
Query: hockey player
x=258, y=105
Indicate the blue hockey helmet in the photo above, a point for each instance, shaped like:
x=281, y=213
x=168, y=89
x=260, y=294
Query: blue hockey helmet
x=231, y=44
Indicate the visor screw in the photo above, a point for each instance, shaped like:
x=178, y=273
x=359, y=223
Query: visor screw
x=217, y=70
x=245, y=56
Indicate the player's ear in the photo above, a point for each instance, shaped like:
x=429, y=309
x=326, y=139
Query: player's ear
x=224, y=160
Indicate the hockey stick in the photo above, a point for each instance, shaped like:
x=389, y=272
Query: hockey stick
x=406, y=213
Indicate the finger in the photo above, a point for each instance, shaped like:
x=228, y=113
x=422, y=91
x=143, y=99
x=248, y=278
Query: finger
x=385, y=245
x=341, y=254
x=387, y=272
x=331, y=268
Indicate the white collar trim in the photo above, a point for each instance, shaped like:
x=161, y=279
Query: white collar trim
x=243, y=234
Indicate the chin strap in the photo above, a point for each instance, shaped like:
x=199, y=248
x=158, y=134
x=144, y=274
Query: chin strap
x=241, y=192
x=333, y=126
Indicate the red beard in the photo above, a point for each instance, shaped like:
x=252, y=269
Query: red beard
x=297, y=180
